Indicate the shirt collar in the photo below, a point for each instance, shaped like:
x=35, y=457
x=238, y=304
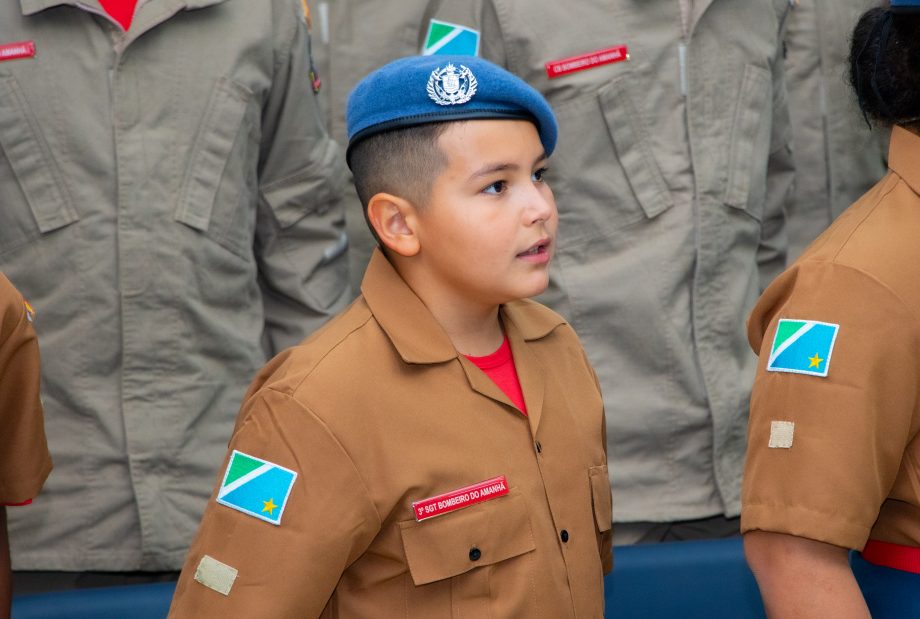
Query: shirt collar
x=904, y=156
x=413, y=330
x=30, y=7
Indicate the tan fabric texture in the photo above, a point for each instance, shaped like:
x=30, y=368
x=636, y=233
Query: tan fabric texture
x=853, y=470
x=170, y=203
x=670, y=220
x=378, y=410
x=837, y=157
x=24, y=458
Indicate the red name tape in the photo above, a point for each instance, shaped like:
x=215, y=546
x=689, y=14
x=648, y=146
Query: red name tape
x=458, y=499
x=558, y=68
x=12, y=51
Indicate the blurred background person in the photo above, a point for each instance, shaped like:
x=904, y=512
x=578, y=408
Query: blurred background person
x=170, y=201
x=24, y=459
x=834, y=455
x=838, y=157
x=671, y=177
x=350, y=39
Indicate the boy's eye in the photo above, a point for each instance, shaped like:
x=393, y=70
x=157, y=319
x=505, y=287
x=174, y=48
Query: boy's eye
x=537, y=176
x=496, y=187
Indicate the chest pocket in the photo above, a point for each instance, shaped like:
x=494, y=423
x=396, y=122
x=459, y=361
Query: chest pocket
x=42, y=204
x=604, y=167
x=220, y=184
x=750, y=139
x=458, y=545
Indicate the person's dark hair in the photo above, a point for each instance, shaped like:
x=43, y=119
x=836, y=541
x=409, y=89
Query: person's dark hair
x=885, y=66
x=403, y=162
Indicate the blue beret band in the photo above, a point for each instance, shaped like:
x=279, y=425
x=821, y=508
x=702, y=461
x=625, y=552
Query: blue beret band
x=430, y=89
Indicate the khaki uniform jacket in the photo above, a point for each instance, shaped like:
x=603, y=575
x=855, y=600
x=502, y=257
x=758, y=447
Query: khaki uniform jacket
x=670, y=185
x=849, y=468
x=24, y=459
x=350, y=39
x=837, y=157
x=378, y=410
x=169, y=202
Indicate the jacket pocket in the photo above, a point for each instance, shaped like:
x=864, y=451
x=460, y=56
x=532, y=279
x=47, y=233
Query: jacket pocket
x=600, y=497
x=749, y=146
x=218, y=192
x=451, y=545
x=46, y=206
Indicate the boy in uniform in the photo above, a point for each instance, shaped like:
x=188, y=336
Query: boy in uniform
x=24, y=459
x=438, y=449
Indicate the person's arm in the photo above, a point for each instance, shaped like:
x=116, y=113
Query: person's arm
x=300, y=226
x=6, y=586
x=801, y=578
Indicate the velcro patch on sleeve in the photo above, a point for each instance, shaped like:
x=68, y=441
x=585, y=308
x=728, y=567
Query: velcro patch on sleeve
x=215, y=575
x=781, y=434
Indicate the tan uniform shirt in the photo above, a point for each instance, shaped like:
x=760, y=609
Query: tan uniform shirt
x=849, y=468
x=378, y=410
x=169, y=203
x=24, y=458
x=837, y=157
x=671, y=174
x=350, y=39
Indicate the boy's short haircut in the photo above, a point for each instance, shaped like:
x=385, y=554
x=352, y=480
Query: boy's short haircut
x=403, y=162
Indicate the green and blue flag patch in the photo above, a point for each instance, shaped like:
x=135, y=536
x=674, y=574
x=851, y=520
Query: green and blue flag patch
x=256, y=487
x=444, y=38
x=803, y=347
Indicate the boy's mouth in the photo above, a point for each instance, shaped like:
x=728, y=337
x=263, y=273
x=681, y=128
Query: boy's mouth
x=539, y=248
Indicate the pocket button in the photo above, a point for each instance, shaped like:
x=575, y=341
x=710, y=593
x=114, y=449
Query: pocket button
x=475, y=554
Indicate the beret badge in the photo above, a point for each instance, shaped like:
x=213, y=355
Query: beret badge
x=451, y=86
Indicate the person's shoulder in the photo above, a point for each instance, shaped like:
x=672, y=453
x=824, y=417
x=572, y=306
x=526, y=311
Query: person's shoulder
x=12, y=306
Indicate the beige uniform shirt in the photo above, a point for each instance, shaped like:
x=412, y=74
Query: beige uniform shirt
x=377, y=411
x=837, y=458
x=24, y=458
x=671, y=174
x=169, y=202
x=837, y=157
x=350, y=39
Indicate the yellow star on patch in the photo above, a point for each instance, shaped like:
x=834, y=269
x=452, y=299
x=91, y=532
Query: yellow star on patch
x=815, y=361
x=269, y=507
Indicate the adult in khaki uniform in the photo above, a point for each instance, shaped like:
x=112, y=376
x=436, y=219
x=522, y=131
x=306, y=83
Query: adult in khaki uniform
x=834, y=455
x=671, y=175
x=169, y=201
x=837, y=156
x=24, y=459
x=350, y=39
x=384, y=427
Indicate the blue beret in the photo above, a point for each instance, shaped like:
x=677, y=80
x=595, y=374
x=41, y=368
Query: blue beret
x=418, y=90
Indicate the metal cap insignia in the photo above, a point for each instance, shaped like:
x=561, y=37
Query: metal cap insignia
x=450, y=86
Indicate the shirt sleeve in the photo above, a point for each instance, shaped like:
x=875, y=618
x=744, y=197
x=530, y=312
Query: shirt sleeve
x=24, y=459
x=300, y=227
x=824, y=451
x=242, y=566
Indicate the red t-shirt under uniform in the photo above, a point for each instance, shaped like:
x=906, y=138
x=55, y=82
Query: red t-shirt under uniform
x=499, y=366
x=121, y=11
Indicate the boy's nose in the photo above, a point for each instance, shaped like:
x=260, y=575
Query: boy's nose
x=542, y=206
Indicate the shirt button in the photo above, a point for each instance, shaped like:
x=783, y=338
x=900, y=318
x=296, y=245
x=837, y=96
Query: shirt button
x=475, y=553
x=564, y=536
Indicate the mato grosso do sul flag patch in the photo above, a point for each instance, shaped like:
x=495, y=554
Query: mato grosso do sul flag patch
x=256, y=487
x=803, y=347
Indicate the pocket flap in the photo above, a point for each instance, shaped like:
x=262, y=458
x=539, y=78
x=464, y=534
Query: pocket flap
x=30, y=158
x=629, y=135
x=600, y=496
x=440, y=548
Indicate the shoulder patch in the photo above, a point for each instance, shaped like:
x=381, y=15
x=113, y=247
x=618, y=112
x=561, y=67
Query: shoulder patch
x=256, y=487
x=802, y=347
x=444, y=38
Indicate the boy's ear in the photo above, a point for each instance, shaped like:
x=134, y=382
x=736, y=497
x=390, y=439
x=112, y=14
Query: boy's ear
x=393, y=219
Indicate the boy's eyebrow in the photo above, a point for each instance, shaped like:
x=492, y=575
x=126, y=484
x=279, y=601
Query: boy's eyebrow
x=501, y=167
